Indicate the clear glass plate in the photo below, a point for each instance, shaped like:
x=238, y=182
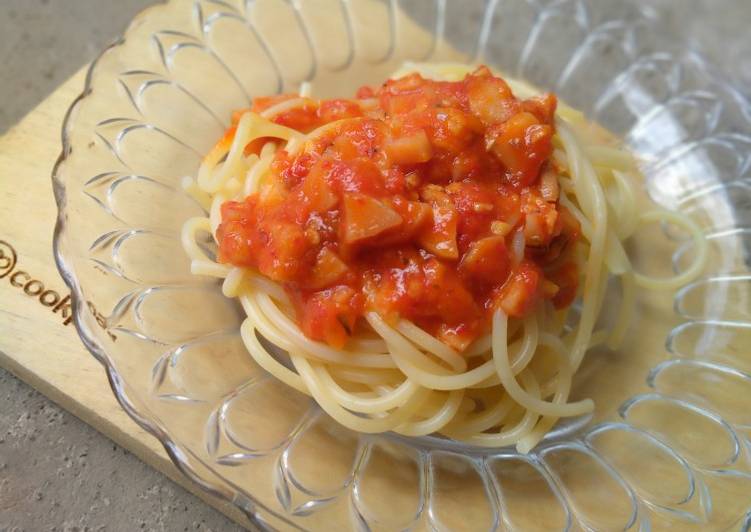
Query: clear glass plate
x=668, y=446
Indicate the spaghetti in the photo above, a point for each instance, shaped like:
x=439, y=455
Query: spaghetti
x=406, y=316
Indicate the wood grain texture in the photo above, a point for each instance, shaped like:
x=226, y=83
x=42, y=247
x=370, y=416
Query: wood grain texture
x=38, y=343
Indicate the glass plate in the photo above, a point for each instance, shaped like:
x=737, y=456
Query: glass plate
x=668, y=444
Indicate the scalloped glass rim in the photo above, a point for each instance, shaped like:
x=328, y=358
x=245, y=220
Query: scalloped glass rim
x=690, y=303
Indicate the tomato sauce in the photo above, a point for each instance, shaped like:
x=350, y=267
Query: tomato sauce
x=431, y=201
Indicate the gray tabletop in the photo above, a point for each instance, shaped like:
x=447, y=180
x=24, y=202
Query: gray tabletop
x=56, y=473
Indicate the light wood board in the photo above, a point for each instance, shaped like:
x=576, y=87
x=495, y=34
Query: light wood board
x=38, y=342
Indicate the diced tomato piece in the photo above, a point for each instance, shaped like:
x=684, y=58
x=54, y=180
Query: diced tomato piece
x=329, y=269
x=487, y=261
x=232, y=233
x=366, y=217
x=520, y=294
x=458, y=337
x=332, y=110
x=490, y=99
x=415, y=215
x=522, y=144
x=282, y=251
x=351, y=176
x=452, y=129
x=396, y=182
x=543, y=107
x=364, y=93
x=410, y=149
x=403, y=95
x=330, y=315
x=317, y=193
x=360, y=139
x=440, y=236
x=302, y=118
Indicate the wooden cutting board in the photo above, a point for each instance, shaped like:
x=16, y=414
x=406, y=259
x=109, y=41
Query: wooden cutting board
x=38, y=342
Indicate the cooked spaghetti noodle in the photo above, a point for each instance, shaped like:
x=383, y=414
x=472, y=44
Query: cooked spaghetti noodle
x=505, y=381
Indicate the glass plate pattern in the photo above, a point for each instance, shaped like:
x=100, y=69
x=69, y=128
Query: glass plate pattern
x=669, y=445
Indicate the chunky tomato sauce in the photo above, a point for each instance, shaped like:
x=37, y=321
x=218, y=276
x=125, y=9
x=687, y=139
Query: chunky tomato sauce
x=433, y=201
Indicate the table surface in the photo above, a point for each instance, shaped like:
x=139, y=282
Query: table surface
x=57, y=473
